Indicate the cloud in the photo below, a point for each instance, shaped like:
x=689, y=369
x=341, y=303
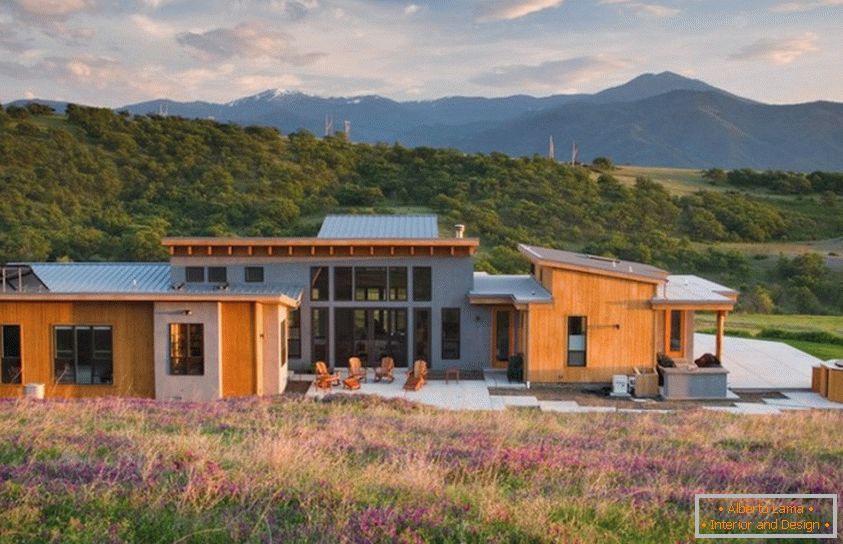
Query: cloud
x=505, y=10
x=778, y=51
x=553, y=75
x=410, y=9
x=53, y=9
x=645, y=8
x=805, y=5
x=246, y=40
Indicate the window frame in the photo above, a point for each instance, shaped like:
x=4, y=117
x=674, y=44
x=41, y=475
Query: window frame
x=348, y=295
x=189, y=358
x=214, y=270
x=448, y=352
x=195, y=269
x=382, y=289
x=94, y=357
x=7, y=360
x=584, y=333
x=294, y=334
x=320, y=283
x=416, y=284
x=254, y=270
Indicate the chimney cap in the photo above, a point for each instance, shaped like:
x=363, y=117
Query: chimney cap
x=459, y=230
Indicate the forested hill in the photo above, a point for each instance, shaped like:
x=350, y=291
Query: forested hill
x=97, y=185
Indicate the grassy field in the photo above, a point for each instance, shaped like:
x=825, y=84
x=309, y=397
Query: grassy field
x=367, y=470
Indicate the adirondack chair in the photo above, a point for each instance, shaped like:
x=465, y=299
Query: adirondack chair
x=416, y=376
x=356, y=369
x=384, y=372
x=324, y=379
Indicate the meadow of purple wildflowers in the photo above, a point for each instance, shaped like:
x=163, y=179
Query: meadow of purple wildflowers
x=369, y=470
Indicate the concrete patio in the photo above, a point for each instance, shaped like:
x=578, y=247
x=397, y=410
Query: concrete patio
x=760, y=364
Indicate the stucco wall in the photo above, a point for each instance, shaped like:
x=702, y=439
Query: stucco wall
x=205, y=387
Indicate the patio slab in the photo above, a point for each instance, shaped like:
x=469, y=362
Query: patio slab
x=521, y=401
x=804, y=399
x=760, y=364
x=496, y=378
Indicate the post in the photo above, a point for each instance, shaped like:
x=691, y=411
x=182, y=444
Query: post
x=721, y=326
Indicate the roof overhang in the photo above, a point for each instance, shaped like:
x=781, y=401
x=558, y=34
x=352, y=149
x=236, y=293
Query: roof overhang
x=701, y=305
x=503, y=300
x=321, y=247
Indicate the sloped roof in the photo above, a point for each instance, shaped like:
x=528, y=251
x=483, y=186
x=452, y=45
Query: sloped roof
x=593, y=263
x=151, y=279
x=379, y=226
x=689, y=289
x=104, y=277
x=517, y=288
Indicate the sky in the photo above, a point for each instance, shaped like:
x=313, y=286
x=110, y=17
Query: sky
x=118, y=52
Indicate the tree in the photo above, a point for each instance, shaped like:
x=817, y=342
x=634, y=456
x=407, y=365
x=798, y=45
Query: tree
x=603, y=163
x=716, y=176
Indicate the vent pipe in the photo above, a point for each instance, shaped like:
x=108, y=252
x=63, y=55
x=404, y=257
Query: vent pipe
x=459, y=231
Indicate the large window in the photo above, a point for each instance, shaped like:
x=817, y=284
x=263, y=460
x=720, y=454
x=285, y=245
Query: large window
x=576, y=340
x=11, y=369
x=369, y=283
x=294, y=335
x=421, y=334
x=194, y=274
x=319, y=283
x=254, y=274
x=397, y=283
x=343, y=287
x=370, y=334
x=450, y=333
x=319, y=334
x=187, y=349
x=422, y=285
x=217, y=274
x=83, y=355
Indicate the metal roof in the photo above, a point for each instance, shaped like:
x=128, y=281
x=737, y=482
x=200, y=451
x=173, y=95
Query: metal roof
x=142, y=278
x=379, y=226
x=104, y=277
x=689, y=289
x=518, y=288
x=595, y=263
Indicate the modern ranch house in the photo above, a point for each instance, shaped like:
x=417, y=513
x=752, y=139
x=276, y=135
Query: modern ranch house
x=231, y=316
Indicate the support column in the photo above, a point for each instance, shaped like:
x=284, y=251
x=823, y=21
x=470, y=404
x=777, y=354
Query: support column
x=721, y=329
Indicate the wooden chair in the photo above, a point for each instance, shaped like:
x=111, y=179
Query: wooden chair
x=324, y=379
x=416, y=376
x=384, y=372
x=356, y=369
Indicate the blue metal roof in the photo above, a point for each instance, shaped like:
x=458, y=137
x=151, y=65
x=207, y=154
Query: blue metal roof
x=518, y=288
x=141, y=278
x=104, y=277
x=380, y=226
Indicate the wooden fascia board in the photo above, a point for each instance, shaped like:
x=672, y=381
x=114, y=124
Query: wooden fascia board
x=320, y=242
x=631, y=276
x=691, y=305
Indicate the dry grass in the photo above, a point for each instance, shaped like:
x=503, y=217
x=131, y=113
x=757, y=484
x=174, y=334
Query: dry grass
x=369, y=470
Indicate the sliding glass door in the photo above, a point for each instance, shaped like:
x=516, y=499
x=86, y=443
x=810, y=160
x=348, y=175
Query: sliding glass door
x=370, y=333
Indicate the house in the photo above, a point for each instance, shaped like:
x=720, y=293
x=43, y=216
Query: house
x=232, y=316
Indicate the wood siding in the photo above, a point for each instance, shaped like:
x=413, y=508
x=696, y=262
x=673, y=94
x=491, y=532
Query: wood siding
x=620, y=327
x=239, y=377
x=133, y=359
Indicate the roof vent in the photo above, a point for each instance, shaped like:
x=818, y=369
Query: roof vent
x=459, y=231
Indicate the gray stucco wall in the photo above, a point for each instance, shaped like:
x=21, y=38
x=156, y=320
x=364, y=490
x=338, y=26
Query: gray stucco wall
x=452, y=279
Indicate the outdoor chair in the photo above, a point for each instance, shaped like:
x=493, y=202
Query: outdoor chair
x=416, y=376
x=356, y=369
x=325, y=379
x=384, y=372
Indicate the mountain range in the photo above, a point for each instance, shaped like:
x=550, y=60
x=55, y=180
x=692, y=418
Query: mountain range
x=655, y=119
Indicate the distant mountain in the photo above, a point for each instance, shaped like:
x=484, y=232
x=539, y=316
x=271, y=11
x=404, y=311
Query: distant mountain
x=655, y=119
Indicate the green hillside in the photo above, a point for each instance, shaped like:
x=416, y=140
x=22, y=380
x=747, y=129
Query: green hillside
x=96, y=185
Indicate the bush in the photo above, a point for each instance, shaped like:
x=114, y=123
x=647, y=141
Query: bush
x=515, y=368
x=819, y=337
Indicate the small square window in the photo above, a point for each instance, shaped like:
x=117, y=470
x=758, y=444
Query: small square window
x=194, y=274
x=254, y=274
x=217, y=274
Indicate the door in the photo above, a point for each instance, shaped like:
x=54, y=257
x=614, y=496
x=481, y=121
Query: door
x=371, y=333
x=503, y=336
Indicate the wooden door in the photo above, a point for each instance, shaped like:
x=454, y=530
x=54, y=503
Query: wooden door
x=503, y=336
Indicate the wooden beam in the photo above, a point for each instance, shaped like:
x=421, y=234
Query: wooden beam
x=190, y=250
x=412, y=250
x=210, y=250
x=251, y=250
x=269, y=250
x=721, y=330
x=230, y=250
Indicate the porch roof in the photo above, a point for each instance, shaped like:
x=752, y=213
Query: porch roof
x=689, y=290
x=507, y=289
